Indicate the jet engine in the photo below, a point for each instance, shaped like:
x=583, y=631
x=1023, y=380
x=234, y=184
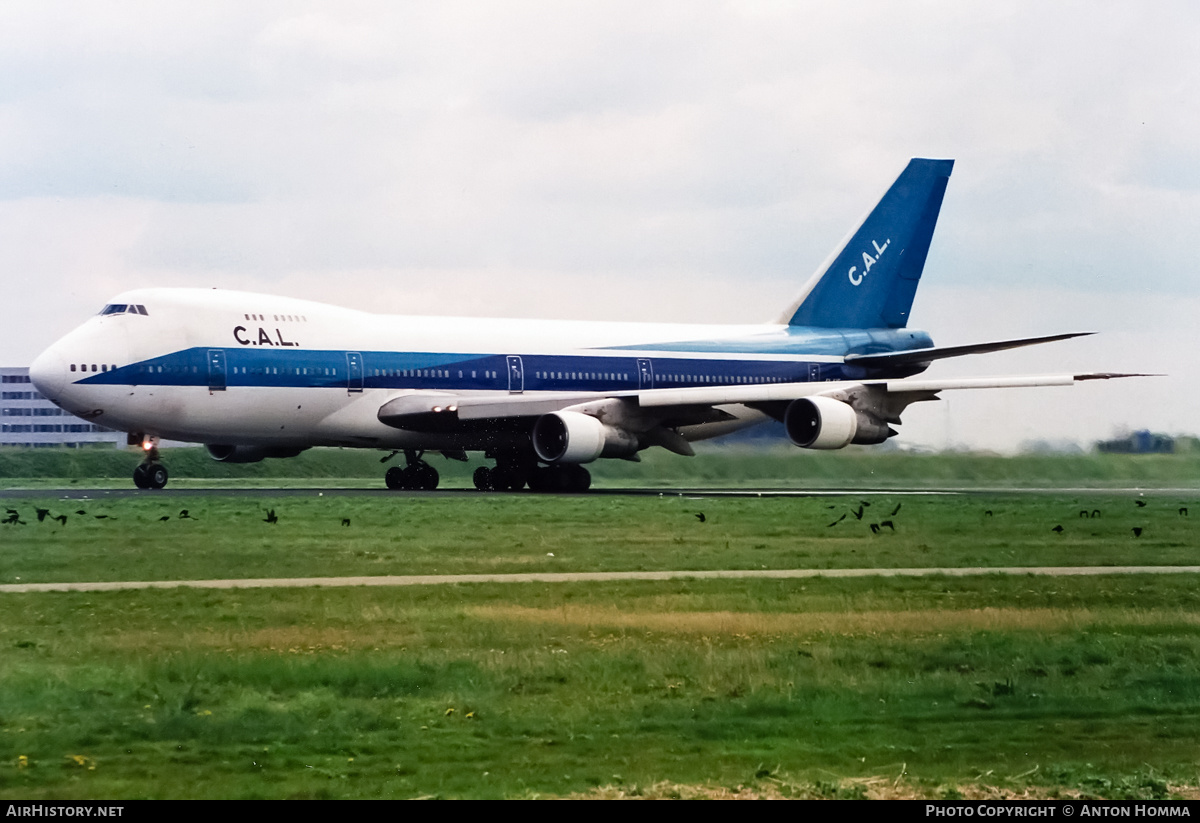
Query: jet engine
x=571, y=437
x=250, y=454
x=824, y=423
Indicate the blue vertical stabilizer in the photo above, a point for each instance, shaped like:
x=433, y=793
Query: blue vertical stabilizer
x=870, y=280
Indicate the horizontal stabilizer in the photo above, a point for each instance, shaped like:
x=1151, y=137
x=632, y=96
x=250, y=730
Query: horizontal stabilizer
x=914, y=357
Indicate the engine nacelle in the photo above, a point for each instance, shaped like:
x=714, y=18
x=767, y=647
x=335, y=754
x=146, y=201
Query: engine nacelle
x=824, y=423
x=249, y=454
x=571, y=437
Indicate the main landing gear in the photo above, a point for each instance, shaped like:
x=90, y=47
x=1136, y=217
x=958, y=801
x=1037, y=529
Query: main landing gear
x=514, y=473
x=150, y=474
x=416, y=476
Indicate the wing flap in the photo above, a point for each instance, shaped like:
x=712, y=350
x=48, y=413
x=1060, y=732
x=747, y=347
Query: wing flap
x=422, y=410
x=523, y=405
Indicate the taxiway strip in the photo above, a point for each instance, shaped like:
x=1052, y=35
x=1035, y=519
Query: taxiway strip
x=585, y=577
x=471, y=494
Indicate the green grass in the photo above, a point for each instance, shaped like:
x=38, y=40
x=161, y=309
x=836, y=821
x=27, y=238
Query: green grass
x=557, y=689
x=1076, y=685
x=143, y=537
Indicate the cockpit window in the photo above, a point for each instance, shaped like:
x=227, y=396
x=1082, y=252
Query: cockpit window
x=124, y=308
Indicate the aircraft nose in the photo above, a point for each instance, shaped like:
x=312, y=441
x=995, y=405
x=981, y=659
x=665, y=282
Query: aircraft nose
x=48, y=373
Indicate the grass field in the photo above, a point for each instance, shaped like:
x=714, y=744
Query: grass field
x=144, y=537
x=486, y=691
x=933, y=687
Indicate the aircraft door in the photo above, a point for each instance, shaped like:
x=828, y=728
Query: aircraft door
x=216, y=370
x=814, y=372
x=516, y=374
x=645, y=373
x=354, y=372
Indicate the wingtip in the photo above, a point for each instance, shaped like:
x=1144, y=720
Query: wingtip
x=1111, y=376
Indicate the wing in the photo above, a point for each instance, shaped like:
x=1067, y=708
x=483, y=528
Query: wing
x=815, y=414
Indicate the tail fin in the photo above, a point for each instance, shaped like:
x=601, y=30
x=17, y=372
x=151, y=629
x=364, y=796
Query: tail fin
x=870, y=279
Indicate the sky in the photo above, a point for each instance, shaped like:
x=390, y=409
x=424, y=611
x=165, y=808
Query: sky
x=661, y=161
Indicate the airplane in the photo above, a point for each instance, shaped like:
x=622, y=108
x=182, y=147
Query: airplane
x=254, y=376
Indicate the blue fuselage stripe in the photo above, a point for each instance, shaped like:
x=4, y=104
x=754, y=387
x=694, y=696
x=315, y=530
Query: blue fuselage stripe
x=242, y=368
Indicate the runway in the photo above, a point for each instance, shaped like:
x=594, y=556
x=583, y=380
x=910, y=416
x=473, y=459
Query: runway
x=589, y=577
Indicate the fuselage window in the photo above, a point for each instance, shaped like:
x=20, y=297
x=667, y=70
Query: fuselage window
x=72, y=367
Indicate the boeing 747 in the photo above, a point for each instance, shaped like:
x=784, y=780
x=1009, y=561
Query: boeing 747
x=253, y=376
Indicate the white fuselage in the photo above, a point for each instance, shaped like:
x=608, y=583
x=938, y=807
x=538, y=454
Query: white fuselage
x=235, y=368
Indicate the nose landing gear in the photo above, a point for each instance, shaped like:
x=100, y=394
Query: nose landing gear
x=150, y=474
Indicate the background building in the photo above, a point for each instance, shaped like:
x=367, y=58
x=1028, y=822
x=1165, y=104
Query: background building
x=28, y=419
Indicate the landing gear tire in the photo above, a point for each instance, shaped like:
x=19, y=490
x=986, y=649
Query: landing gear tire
x=150, y=476
x=425, y=477
x=508, y=478
x=483, y=479
x=543, y=479
x=414, y=477
x=575, y=478
x=568, y=478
